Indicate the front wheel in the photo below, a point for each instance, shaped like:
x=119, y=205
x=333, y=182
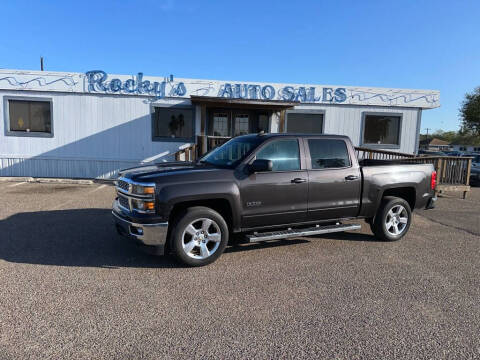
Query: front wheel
x=392, y=220
x=199, y=237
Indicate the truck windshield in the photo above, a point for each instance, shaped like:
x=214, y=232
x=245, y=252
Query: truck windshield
x=232, y=152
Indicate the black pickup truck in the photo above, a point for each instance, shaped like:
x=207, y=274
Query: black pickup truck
x=263, y=187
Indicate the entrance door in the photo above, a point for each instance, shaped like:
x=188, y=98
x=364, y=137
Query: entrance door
x=241, y=123
x=236, y=122
x=220, y=123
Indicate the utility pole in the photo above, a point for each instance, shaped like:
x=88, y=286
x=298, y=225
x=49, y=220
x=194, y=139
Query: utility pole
x=41, y=63
x=426, y=139
x=427, y=131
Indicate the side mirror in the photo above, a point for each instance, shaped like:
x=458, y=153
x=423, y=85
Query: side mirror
x=261, y=165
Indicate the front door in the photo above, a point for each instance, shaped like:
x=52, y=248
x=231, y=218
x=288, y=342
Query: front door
x=236, y=122
x=279, y=196
x=334, y=182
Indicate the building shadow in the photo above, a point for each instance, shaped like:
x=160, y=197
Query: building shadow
x=98, y=153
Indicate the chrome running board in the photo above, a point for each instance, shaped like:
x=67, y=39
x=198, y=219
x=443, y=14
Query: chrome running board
x=315, y=230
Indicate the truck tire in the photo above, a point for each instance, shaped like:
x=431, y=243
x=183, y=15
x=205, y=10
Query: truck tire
x=392, y=220
x=199, y=236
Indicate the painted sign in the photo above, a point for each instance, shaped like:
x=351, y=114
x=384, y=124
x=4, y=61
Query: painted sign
x=98, y=81
x=286, y=93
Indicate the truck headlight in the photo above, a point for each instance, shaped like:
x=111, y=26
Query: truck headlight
x=143, y=190
x=143, y=205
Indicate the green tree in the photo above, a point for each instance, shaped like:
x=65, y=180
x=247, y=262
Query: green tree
x=470, y=112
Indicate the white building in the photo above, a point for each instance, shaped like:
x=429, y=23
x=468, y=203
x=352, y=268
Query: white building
x=91, y=125
x=466, y=148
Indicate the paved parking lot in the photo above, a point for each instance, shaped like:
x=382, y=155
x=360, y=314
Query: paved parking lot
x=71, y=288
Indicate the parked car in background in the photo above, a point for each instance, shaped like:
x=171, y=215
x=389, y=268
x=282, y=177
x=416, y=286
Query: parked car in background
x=430, y=153
x=453, y=153
x=475, y=176
x=460, y=153
x=475, y=161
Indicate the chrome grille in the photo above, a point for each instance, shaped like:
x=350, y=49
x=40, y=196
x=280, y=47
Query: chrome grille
x=123, y=201
x=123, y=185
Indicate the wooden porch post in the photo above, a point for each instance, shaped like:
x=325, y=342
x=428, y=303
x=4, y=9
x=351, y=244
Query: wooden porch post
x=281, y=125
x=469, y=168
x=202, y=139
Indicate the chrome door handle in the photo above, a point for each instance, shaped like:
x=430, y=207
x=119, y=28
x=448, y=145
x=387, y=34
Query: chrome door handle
x=351, y=177
x=298, y=180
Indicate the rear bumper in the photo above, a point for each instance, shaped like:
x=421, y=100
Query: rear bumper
x=150, y=235
x=431, y=203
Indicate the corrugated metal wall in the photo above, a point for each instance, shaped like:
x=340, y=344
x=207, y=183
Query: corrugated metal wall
x=96, y=135
x=347, y=120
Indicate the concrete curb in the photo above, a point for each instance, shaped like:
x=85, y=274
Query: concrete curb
x=16, y=179
x=54, y=180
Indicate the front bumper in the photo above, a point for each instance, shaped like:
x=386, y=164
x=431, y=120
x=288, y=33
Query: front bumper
x=151, y=235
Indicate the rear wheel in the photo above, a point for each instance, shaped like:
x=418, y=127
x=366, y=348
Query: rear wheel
x=392, y=220
x=199, y=236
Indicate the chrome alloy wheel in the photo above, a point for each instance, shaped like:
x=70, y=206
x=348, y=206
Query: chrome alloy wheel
x=201, y=238
x=396, y=220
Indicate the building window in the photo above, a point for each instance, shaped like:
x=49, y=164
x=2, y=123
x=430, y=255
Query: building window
x=263, y=123
x=327, y=154
x=32, y=117
x=284, y=154
x=241, y=124
x=220, y=124
x=476, y=149
x=305, y=122
x=381, y=129
x=173, y=123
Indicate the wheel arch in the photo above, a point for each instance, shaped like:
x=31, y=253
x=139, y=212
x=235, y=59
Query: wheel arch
x=407, y=193
x=220, y=205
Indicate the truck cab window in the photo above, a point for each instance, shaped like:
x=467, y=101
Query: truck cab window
x=328, y=153
x=284, y=154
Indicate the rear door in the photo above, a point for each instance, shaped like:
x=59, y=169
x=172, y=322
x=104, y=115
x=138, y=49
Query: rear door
x=334, y=179
x=279, y=196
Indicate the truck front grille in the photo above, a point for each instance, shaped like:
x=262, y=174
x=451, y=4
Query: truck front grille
x=123, y=201
x=123, y=185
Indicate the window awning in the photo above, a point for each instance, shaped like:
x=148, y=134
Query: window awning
x=212, y=101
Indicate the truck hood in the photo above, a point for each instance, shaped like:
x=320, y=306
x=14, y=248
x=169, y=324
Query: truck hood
x=153, y=171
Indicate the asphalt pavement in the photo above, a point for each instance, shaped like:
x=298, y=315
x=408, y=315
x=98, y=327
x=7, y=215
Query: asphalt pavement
x=71, y=288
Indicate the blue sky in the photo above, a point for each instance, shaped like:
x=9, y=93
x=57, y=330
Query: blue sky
x=401, y=44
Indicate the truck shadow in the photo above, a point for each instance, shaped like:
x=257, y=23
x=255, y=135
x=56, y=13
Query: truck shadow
x=239, y=247
x=76, y=237
x=351, y=236
x=87, y=237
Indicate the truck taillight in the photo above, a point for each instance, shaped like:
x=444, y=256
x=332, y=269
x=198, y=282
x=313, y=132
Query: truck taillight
x=433, y=180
